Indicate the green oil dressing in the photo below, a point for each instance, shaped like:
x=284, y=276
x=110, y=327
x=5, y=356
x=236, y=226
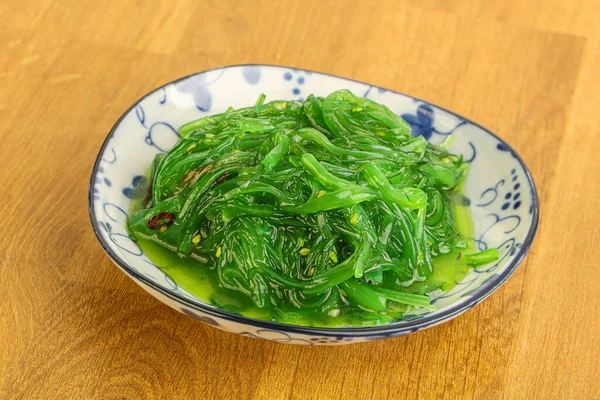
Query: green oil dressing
x=449, y=269
x=200, y=280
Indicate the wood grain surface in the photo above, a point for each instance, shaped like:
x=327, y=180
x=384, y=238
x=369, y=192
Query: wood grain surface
x=73, y=327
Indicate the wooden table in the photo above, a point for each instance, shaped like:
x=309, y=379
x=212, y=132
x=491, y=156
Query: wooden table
x=72, y=326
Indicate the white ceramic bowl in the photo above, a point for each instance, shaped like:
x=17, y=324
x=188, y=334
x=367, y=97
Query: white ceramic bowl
x=501, y=192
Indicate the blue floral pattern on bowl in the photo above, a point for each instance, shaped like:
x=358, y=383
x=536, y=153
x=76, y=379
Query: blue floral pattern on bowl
x=500, y=191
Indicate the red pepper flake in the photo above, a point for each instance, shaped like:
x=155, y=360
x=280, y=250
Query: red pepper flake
x=459, y=255
x=223, y=178
x=160, y=219
x=194, y=174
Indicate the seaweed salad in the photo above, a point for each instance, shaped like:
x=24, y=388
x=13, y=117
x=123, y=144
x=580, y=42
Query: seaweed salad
x=326, y=212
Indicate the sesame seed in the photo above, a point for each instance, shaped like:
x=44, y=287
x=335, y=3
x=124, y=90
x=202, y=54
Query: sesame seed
x=333, y=257
x=280, y=105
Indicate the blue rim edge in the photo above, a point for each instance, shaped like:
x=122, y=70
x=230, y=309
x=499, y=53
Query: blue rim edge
x=391, y=329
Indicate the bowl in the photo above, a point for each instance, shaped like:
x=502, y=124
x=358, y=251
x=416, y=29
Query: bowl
x=500, y=190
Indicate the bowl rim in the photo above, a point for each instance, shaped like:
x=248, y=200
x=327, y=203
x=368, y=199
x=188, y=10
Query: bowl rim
x=391, y=329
